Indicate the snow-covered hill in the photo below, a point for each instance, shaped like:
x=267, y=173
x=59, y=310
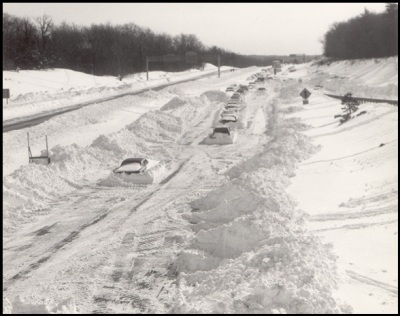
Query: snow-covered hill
x=371, y=78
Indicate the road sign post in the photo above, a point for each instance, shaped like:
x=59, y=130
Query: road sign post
x=219, y=65
x=305, y=94
x=6, y=94
x=147, y=68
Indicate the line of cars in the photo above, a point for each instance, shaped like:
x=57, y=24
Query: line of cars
x=258, y=79
x=141, y=168
x=231, y=109
x=230, y=114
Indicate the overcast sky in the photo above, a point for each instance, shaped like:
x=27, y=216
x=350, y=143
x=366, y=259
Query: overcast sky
x=244, y=28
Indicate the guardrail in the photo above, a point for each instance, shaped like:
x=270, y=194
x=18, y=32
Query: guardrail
x=365, y=100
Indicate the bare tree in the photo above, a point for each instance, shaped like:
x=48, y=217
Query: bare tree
x=45, y=26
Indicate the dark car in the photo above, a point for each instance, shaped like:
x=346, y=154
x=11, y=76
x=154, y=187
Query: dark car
x=237, y=96
x=132, y=165
x=261, y=88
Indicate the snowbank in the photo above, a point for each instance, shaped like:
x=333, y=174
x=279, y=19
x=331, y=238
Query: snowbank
x=349, y=188
x=216, y=96
x=173, y=104
x=251, y=252
x=30, y=190
x=370, y=78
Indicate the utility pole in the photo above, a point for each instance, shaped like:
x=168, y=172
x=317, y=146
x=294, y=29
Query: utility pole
x=147, y=68
x=219, y=64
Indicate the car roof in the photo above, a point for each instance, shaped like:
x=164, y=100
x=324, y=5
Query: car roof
x=132, y=160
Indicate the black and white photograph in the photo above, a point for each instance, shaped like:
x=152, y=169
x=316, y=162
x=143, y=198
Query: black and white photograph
x=200, y=158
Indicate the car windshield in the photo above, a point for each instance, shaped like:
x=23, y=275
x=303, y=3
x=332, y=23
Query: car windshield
x=130, y=167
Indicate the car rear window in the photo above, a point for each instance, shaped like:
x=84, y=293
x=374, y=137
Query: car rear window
x=131, y=161
x=221, y=130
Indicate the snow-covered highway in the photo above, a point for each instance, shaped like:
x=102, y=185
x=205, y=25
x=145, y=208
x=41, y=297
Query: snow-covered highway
x=299, y=215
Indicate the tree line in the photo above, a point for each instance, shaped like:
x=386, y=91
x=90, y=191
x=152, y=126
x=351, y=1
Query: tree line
x=103, y=49
x=369, y=35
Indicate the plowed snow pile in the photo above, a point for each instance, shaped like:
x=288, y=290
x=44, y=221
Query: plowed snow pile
x=349, y=188
x=371, y=78
x=31, y=189
x=251, y=252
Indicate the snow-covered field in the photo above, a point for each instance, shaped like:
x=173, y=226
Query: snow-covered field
x=34, y=92
x=299, y=215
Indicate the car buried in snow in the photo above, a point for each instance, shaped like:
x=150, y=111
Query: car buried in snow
x=235, y=101
x=221, y=135
x=233, y=107
x=230, y=111
x=132, y=166
x=140, y=170
x=237, y=96
x=227, y=118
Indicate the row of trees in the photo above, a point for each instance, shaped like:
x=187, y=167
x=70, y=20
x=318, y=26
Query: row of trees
x=369, y=35
x=101, y=49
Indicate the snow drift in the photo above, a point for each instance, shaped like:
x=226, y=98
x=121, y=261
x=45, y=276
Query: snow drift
x=251, y=252
x=31, y=189
x=370, y=78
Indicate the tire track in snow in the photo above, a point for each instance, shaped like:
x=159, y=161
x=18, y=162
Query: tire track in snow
x=72, y=236
x=357, y=226
x=349, y=156
x=370, y=281
x=353, y=215
x=345, y=129
x=54, y=249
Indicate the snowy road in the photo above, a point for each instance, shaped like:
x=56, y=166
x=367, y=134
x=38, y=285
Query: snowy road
x=19, y=123
x=112, y=246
